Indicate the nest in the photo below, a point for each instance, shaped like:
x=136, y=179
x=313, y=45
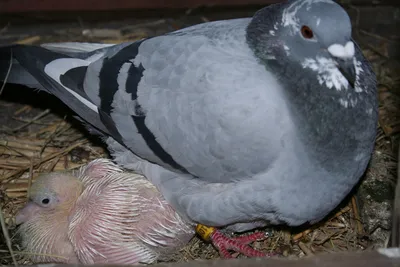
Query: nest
x=34, y=140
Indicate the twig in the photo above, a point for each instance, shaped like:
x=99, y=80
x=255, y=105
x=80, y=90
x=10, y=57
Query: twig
x=336, y=225
x=204, y=19
x=342, y=211
x=370, y=34
x=8, y=150
x=7, y=167
x=25, y=146
x=80, y=22
x=29, y=40
x=12, y=151
x=32, y=122
x=375, y=50
x=37, y=254
x=5, y=28
x=304, y=233
x=52, y=156
x=7, y=237
x=357, y=17
x=16, y=194
x=305, y=249
x=42, y=114
x=300, y=235
x=142, y=25
x=54, y=164
x=7, y=74
x=23, y=109
x=92, y=150
x=313, y=236
x=329, y=237
x=53, y=134
x=26, y=140
x=49, y=128
x=16, y=163
x=30, y=178
x=356, y=214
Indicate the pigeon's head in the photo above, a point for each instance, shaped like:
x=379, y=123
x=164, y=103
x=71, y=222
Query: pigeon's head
x=50, y=195
x=309, y=33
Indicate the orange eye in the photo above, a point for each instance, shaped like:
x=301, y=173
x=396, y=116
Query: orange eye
x=307, y=32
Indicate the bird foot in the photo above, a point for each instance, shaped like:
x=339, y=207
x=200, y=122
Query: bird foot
x=238, y=244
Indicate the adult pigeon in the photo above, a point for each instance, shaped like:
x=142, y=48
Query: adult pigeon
x=239, y=123
x=99, y=214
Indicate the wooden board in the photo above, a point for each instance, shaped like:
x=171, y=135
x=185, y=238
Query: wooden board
x=64, y=5
x=354, y=259
x=16, y=6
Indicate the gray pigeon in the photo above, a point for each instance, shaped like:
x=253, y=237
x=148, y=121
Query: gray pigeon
x=239, y=123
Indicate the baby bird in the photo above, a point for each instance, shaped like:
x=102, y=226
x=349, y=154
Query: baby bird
x=99, y=214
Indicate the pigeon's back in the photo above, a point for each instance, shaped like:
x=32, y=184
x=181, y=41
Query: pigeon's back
x=162, y=95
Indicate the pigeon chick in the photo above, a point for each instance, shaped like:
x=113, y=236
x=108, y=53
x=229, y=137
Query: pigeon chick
x=99, y=214
x=239, y=123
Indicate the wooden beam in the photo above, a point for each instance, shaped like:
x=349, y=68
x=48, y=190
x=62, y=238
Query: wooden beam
x=347, y=259
x=7, y=6
x=17, y=6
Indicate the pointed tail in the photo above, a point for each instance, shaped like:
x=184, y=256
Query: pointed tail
x=58, y=73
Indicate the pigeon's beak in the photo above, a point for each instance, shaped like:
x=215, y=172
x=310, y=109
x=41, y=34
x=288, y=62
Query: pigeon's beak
x=347, y=68
x=344, y=55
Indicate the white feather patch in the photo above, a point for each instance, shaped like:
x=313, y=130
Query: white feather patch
x=75, y=46
x=327, y=72
x=60, y=66
x=358, y=68
x=123, y=76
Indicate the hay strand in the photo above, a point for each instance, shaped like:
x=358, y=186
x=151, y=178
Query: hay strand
x=7, y=237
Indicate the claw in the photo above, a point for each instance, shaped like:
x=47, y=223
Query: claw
x=239, y=244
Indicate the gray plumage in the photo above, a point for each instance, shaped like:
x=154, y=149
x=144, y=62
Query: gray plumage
x=240, y=122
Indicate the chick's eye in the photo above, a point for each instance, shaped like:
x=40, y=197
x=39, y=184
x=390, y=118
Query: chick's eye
x=307, y=32
x=45, y=201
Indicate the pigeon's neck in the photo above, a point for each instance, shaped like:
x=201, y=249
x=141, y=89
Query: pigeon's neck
x=337, y=125
x=332, y=118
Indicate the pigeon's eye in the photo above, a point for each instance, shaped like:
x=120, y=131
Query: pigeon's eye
x=307, y=32
x=45, y=201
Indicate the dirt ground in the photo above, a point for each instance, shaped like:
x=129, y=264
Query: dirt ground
x=39, y=134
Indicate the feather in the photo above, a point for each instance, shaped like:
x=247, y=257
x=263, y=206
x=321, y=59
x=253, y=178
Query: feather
x=117, y=217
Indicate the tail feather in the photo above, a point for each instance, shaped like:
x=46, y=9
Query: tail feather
x=10, y=69
x=75, y=48
x=40, y=68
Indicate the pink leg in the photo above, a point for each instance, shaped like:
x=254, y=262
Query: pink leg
x=238, y=244
x=247, y=239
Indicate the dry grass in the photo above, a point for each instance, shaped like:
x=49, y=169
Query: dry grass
x=34, y=140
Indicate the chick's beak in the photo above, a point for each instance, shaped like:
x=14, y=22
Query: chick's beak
x=344, y=55
x=27, y=212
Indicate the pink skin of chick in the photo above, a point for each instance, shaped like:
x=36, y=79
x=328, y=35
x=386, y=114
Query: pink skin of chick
x=99, y=214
